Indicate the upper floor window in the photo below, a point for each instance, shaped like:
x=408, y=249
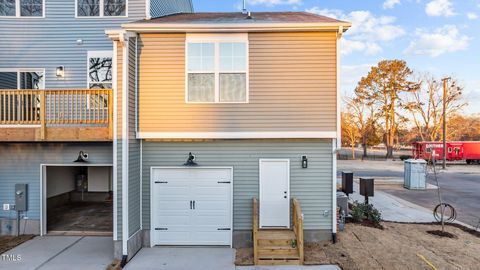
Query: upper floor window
x=217, y=68
x=101, y=8
x=100, y=69
x=21, y=8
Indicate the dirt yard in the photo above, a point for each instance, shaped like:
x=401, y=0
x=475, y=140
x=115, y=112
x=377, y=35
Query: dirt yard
x=398, y=246
x=9, y=242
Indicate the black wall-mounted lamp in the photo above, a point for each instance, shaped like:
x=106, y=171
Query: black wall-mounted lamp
x=304, y=162
x=82, y=157
x=190, y=160
x=60, y=71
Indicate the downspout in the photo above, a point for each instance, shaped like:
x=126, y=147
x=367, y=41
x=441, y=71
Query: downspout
x=337, y=142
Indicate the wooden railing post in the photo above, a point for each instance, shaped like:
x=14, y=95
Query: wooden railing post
x=255, y=230
x=43, y=102
x=298, y=228
x=110, y=114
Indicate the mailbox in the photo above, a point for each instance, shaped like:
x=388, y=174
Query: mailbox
x=347, y=182
x=367, y=187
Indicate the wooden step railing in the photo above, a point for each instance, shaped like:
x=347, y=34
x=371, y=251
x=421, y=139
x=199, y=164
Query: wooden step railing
x=255, y=230
x=59, y=107
x=297, y=222
x=297, y=228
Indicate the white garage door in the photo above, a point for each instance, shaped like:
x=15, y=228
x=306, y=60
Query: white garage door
x=192, y=206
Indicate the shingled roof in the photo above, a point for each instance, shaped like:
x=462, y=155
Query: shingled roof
x=238, y=17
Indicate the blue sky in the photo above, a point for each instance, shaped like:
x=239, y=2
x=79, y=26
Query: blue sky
x=436, y=36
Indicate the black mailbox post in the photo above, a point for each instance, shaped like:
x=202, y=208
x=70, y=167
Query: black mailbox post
x=347, y=182
x=367, y=188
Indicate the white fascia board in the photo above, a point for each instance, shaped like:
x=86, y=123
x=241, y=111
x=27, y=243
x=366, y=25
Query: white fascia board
x=239, y=135
x=233, y=27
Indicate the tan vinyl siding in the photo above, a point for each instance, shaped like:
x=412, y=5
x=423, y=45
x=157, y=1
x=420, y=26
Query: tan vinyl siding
x=292, y=86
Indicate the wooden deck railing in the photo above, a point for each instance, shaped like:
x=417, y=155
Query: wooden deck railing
x=255, y=230
x=297, y=217
x=67, y=108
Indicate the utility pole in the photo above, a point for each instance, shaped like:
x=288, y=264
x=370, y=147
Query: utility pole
x=445, y=81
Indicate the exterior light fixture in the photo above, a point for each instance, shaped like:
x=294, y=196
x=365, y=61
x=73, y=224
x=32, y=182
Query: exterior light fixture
x=190, y=160
x=82, y=157
x=304, y=162
x=60, y=71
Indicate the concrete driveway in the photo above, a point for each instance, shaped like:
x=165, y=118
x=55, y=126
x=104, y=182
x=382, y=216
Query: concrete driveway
x=199, y=258
x=60, y=253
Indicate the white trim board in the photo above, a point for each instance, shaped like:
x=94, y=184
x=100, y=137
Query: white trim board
x=239, y=135
x=43, y=188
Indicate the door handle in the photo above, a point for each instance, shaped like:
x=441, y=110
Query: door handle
x=285, y=192
x=285, y=196
x=191, y=203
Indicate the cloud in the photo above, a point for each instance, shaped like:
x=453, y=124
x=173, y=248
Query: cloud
x=368, y=32
x=274, y=2
x=437, y=42
x=351, y=74
x=472, y=16
x=440, y=8
x=389, y=4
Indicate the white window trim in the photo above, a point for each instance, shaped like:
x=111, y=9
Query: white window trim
x=97, y=54
x=102, y=9
x=19, y=70
x=217, y=39
x=18, y=12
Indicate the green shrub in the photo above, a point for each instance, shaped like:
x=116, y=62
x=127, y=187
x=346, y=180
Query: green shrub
x=366, y=212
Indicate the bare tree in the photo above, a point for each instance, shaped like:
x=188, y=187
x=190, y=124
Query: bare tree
x=350, y=132
x=365, y=118
x=382, y=88
x=426, y=105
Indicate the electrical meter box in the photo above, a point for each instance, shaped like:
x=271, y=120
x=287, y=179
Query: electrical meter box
x=21, y=197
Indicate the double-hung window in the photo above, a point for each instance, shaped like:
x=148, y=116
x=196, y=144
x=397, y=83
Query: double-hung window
x=101, y=8
x=217, y=68
x=21, y=8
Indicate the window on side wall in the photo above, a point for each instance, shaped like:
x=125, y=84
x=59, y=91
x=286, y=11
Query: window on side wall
x=217, y=68
x=21, y=8
x=99, y=76
x=101, y=8
x=22, y=79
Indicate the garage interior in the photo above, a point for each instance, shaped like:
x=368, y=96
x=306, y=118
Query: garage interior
x=79, y=200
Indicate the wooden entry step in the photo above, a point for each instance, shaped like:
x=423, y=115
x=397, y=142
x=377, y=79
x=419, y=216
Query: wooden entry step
x=278, y=246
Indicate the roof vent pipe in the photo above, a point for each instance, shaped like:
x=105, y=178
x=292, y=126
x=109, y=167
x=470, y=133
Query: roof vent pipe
x=244, y=9
x=249, y=16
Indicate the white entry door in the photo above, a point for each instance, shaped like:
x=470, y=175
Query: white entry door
x=191, y=206
x=274, y=193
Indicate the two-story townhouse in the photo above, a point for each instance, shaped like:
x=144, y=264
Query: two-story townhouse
x=217, y=109
x=56, y=108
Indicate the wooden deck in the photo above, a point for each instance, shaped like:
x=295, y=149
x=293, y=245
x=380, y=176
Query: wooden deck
x=279, y=246
x=56, y=115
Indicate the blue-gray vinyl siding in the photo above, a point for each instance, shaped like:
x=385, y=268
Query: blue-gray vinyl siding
x=312, y=186
x=20, y=163
x=159, y=8
x=134, y=214
x=49, y=42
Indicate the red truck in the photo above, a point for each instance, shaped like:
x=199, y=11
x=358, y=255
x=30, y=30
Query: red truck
x=468, y=151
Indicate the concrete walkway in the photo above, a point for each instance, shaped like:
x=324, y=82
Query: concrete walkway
x=394, y=208
x=199, y=258
x=60, y=253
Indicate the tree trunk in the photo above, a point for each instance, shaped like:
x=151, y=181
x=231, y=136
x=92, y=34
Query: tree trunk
x=364, y=145
x=389, y=151
x=353, y=152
